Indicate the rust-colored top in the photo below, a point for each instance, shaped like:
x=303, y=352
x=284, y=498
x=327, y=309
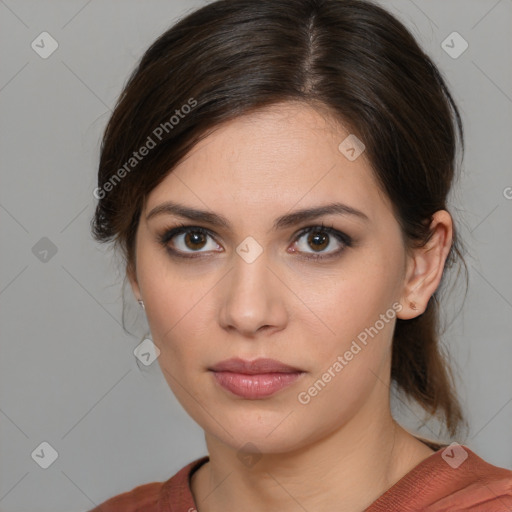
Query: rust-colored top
x=440, y=483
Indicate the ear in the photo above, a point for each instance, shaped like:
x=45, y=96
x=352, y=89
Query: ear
x=132, y=277
x=425, y=267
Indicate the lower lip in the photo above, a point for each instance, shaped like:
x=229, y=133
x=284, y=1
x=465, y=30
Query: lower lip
x=255, y=386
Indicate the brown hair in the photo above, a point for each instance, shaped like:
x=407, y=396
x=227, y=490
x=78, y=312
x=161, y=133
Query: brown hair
x=350, y=58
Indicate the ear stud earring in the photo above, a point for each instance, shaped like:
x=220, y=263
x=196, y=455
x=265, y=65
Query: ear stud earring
x=141, y=304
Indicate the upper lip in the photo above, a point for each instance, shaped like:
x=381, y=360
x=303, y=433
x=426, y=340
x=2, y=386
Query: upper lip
x=262, y=365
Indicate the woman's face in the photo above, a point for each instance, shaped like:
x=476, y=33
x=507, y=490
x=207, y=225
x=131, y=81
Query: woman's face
x=251, y=288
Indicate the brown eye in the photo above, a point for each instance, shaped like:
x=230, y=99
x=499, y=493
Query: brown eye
x=319, y=239
x=184, y=240
x=194, y=240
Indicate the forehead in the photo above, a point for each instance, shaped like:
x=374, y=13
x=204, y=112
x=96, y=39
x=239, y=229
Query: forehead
x=273, y=160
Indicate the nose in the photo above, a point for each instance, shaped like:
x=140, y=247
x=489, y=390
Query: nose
x=253, y=298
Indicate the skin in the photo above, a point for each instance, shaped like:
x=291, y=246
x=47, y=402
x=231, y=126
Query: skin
x=343, y=449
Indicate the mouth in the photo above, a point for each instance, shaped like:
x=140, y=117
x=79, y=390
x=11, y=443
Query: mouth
x=256, y=379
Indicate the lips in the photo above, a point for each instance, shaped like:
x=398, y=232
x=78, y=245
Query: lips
x=256, y=379
x=258, y=366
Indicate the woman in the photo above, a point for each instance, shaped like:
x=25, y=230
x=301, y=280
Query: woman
x=276, y=176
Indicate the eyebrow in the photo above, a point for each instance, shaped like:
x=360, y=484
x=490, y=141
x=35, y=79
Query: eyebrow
x=285, y=221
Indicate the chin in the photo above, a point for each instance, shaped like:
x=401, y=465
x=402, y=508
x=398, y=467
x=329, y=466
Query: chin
x=258, y=430
x=251, y=440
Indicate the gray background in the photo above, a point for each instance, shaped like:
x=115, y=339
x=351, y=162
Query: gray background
x=67, y=370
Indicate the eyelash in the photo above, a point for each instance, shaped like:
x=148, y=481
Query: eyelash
x=169, y=233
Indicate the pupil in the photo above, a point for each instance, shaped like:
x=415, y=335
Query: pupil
x=196, y=239
x=317, y=238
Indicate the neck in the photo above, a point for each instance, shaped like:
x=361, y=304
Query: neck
x=347, y=470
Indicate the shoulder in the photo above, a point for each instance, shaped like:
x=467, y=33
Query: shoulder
x=453, y=478
x=479, y=486
x=142, y=498
x=155, y=496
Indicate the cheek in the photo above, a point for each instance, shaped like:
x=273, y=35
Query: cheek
x=170, y=288
x=353, y=302
x=177, y=331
